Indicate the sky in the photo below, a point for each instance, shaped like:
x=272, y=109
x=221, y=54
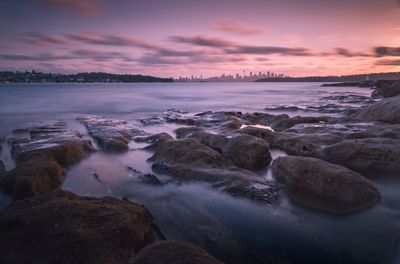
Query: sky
x=172, y=38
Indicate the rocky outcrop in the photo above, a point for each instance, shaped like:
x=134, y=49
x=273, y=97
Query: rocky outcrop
x=387, y=110
x=366, y=155
x=153, y=140
x=284, y=124
x=318, y=184
x=244, y=151
x=189, y=160
x=111, y=135
x=2, y=168
x=387, y=88
x=167, y=252
x=41, y=160
x=60, y=227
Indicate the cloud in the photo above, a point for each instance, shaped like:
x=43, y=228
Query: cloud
x=89, y=8
x=37, y=57
x=386, y=51
x=111, y=40
x=203, y=40
x=388, y=63
x=268, y=50
x=347, y=53
x=232, y=27
x=44, y=40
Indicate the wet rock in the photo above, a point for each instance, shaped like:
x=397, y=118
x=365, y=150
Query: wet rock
x=348, y=98
x=244, y=151
x=60, y=227
x=154, y=140
x=41, y=161
x=184, y=132
x=284, y=124
x=387, y=110
x=147, y=178
x=2, y=137
x=189, y=160
x=2, y=167
x=321, y=185
x=263, y=118
x=388, y=88
x=111, y=135
x=166, y=252
x=365, y=155
x=287, y=108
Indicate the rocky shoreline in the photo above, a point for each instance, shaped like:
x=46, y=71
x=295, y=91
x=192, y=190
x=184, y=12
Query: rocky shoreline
x=331, y=162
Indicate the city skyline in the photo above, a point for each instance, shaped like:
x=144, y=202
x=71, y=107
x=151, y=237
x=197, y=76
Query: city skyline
x=184, y=38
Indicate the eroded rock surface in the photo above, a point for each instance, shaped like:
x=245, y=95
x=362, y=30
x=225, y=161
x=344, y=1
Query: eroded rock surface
x=366, y=155
x=167, y=252
x=244, y=151
x=388, y=88
x=321, y=185
x=387, y=110
x=42, y=159
x=2, y=168
x=111, y=135
x=189, y=160
x=60, y=227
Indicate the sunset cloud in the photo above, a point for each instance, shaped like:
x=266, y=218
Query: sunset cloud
x=89, y=8
x=233, y=27
x=387, y=51
x=203, y=40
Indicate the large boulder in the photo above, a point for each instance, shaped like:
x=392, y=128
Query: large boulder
x=388, y=88
x=167, y=252
x=60, y=227
x=153, y=140
x=387, y=110
x=244, y=151
x=318, y=184
x=41, y=160
x=189, y=160
x=111, y=135
x=286, y=123
x=366, y=155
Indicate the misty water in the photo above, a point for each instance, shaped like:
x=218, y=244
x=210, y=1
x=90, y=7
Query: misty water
x=235, y=230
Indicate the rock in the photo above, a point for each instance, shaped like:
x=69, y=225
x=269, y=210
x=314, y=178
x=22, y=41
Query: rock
x=284, y=124
x=2, y=167
x=41, y=161
x=387, y=110
x=318, y=184
x=263, y=118
x=167, y=252
x=147, y=178
x=244, y=151
x=111, y=135
x=154, y=140
x=388, y=88
x=184, y=132
x=189, y=160
x=366, y=155
x=60, y=227
x=2, y=137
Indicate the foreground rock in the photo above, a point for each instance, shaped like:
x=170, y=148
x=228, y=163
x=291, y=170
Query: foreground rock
x=42, y=159
x=244, y=151
x=387, y=111
x=320, y=185
x=153, y=140
x=189, y=160
x=366, y=155
x=111, y=135
x=2, y=168
x=167, y=252
x=60, y=227
x=387, y=88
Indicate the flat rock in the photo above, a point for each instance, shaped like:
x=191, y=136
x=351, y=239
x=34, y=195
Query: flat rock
x=366, y=155
x=387, y=110
x=167, y=252
x=153, y=140
x=60, y=227
x=244, y=151
x=41, y=160
x=284, y=124
x=388, y=88
x=318, y=184
x=189, y=160
x=111, y=135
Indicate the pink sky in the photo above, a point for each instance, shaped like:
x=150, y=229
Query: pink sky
x=180, y=38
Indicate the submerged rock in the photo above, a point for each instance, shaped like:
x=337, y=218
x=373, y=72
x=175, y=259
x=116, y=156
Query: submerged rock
x=244, y=151
x=189, y=160
x=387, y=110
x=366, y=155
x=167, y=252
x=41, y=160
x=388, y=88
x=111, y=135
x=60, y=227
x=321, y=185
x=147, y=178
x=184, y=132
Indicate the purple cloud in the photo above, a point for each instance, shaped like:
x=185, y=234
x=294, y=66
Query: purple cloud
x=88, y=8
x=203, y=40
x=233, y=27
